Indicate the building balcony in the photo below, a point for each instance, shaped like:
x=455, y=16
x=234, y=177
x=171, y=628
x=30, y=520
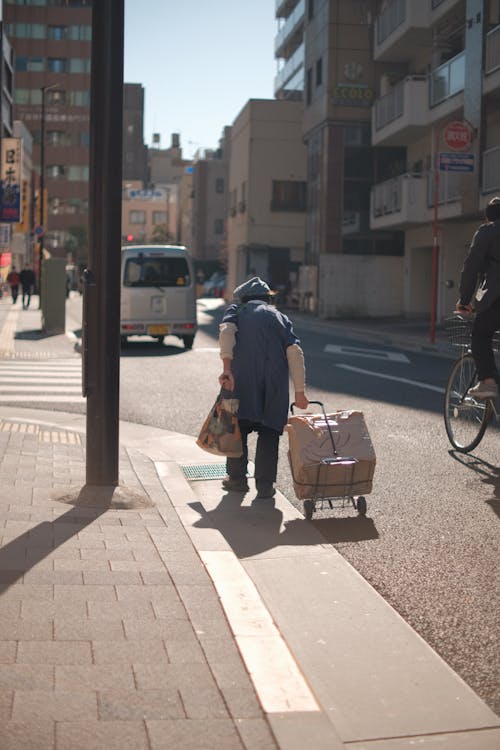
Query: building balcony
x=283, y=8
x=407, y=200
x=399, y=116
x=446, y=88
x=491, y=81
x=491, y=172
x=289, y=73
x=290, y=36
x=401, y=29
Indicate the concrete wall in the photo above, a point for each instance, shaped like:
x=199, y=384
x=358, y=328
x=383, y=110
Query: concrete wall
x=360, y=285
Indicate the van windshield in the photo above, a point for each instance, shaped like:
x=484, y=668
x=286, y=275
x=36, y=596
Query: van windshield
x=143, y=271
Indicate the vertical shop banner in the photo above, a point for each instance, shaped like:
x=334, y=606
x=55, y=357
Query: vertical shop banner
x=10, y=186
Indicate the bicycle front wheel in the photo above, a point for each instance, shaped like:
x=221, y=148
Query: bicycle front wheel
x=465, y=417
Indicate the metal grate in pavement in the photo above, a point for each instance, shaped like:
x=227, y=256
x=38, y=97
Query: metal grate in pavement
x=204, y=471
x=44, y=434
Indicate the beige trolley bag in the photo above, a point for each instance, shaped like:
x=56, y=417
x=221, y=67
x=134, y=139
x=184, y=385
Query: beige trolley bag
x=331, y=459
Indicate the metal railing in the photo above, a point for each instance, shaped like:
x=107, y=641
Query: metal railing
x=492, y=59
x=390, y=106
x=491, y=170
x=393, y=15
x=295, y=17
x=450, y=188
x=292, y=65
x=447, y=80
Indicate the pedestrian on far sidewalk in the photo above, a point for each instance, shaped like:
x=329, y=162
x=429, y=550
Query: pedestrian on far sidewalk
x=481, y=274
x=260, y=352
x=27, y=278
x=13, y=281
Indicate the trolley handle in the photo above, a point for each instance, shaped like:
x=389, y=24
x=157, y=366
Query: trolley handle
x=320, y=403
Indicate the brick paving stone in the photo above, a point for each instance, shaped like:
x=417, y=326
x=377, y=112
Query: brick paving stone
x=120, y=610
x=130, y=705
x=154, y=565
x=242, y=702
x=93, y=677
x=42, y=592
x=157, y=630
x=185, y=651
x=77, y=563
x=26, y=677
x=86, y=593
x=173, y=609
x=129, y=652
x=60, y=705
x=52, y=652
x=225, y=660
x=256, y=734
x=156, y=577
x=86, y=629
x=6, y=703
x=103, y=735
x=106, y=554
x=162, y=593
x=35, y=735
x=96, y=577
x=24, y=630
x=65, y=577
x=8, y=650
x=50, y=610
x=191, y=734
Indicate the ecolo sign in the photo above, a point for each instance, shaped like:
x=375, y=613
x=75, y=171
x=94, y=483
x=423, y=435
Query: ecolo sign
x=353, y=95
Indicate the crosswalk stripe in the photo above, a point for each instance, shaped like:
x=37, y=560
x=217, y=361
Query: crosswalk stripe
x=58, y=381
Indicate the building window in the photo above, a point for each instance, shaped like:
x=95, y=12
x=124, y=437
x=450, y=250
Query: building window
x=84, y=138
x=55, y=97
x=30, y=64
x=319, y=71
x=78, y=174
x=310, y=10
x=79, y=65
x=288, y=195
x=309, y=86
x=57, y=65
x=219, y=226
x=26, y=30
x=137, y=217
x=79, y=98
x=80, y=33
x=57, y=33
x=219, y=184
x=55, y=171
x=58, y=138
x=159, y=217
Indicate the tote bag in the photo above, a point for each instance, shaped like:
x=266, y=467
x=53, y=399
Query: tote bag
x=220, y=433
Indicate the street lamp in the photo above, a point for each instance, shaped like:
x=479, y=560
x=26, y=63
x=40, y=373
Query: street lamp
x=43, y=89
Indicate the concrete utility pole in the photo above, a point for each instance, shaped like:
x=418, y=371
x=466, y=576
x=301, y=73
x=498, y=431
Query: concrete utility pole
x=101, y=332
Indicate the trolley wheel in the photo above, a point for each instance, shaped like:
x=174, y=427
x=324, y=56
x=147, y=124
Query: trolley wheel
x=465, y=417
x=308, y=509
x=361, y=505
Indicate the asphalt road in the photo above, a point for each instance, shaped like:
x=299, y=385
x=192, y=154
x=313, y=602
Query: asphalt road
x=429, y=543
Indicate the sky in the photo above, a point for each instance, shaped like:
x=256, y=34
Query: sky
x=199, y=62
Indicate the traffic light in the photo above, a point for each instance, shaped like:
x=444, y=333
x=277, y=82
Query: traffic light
x=130, y=237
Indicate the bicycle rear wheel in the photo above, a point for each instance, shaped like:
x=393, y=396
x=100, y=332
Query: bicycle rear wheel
x=465, y=417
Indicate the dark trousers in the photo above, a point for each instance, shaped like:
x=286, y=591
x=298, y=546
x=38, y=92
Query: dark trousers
x=14, y=290
x=26, y=296
x=484, y=326
x=266, y=454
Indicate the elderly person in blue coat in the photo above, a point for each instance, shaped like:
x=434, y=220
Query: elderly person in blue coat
x=480, y=291
x=260, y=352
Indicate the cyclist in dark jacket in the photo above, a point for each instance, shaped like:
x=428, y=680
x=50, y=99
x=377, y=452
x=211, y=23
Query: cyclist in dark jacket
x=481, y=271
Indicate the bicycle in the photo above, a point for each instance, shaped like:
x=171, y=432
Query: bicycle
x=465, y=417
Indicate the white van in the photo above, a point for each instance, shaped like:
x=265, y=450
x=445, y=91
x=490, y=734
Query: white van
x=158, y=293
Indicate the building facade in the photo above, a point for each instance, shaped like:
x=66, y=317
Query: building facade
x=210, y=206
x=289, y=49
x=267, y=193
x=52, y=44
x=439, y=101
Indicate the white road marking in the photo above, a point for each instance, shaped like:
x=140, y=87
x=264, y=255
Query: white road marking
x=42, y=399
x=357, y=351
x=58, y=381
x=274, y=672
x=383, y=376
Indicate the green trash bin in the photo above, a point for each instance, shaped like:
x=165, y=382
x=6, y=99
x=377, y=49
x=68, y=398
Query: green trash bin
x=54, y=295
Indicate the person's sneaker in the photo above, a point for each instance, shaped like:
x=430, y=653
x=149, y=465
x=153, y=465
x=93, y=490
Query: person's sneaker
x=484, y=390
x=265, y=491
x=235, y=484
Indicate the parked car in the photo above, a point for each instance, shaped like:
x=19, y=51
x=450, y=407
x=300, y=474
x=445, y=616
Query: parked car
x=215, y=285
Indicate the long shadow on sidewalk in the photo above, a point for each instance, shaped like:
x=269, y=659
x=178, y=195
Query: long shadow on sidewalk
x=251, y=530
x=27, y=550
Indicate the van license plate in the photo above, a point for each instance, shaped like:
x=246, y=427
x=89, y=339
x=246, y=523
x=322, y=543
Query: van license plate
x=158, y=330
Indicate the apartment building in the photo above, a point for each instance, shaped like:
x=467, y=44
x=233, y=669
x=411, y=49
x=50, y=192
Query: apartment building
x=442, y=78
x=289, y=49
x=51, y=40
x=210, y=206
x=145, y=214
x=267, y=193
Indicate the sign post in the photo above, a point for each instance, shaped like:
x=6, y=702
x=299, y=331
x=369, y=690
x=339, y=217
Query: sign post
x=458, y=136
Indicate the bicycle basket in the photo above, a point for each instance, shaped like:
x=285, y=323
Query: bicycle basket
x=459, y=331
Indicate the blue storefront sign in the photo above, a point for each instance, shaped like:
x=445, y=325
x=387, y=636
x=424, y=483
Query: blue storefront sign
x=455, y=162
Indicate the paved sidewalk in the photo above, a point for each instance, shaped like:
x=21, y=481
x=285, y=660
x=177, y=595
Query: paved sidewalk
x=201, y=620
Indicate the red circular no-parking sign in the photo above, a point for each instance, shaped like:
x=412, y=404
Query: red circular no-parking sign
x=458, y=135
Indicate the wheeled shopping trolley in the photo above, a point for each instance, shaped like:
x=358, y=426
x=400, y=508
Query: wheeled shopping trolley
x=331, y=458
